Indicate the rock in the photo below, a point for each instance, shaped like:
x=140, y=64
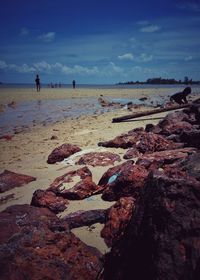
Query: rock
x=99, y=159
x=175, y=123
x=10, y=180
x=36, y=245
x=62, y=152
x=85, y=218
x=191, y=165
x=126, y=179
x=81, y=190
x=159, y=159
x=118, y=218
x=59, y=182
x=48, y=199
x=191, y=138
x=142, y=141
x=162, y=238
x=123, y=141
x=132, y=153
x=5, y=198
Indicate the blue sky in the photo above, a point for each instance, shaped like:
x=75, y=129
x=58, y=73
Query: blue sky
x=99, y=41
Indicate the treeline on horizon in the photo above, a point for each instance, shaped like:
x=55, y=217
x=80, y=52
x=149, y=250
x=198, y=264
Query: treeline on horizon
x=162, y=81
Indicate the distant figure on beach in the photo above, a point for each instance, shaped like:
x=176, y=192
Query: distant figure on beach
x=181, y=97
x=74, y=83
x=37, y=82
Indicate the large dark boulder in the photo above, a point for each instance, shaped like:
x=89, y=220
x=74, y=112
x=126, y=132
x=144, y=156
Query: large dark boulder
x=36, y=245
x=162, y=240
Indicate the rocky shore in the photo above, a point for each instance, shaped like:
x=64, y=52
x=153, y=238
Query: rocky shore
x=152, y=229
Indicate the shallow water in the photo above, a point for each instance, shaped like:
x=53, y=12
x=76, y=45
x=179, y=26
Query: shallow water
x=20, y=116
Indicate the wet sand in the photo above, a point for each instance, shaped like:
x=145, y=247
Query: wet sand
x=27, y=151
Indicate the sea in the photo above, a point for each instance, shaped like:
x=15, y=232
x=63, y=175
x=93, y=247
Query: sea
x=22, y=116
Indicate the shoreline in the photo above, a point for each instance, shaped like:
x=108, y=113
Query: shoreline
x=27, y=152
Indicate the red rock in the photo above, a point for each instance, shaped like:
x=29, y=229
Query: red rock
x=118, y=218
x=59, y=182
x=62, y=152
x=81, y=190
x=10, y=180
x=158, y=159
x=141, y=141
x=36, y=245
x=7, y=137
x=85, y=218
x=162, y=238
x=49, y=200
x=99, y=159
x=126, y=179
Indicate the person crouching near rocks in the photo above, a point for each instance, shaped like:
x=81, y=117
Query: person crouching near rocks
x=181, y=97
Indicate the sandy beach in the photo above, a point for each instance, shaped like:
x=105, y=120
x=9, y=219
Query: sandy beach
x=27, y=151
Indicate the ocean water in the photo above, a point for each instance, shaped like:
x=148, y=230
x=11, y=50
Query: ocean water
x=21, y=116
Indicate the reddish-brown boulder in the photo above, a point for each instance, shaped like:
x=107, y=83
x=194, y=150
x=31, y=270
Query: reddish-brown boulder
x=85, y=218
x=159, y=159
x=125, y=140
x=81, y=190
x=36, y=245
x=62, y=152
x=10, y=180
x=99, y=159
x=48, y=199
x=126, y=179
x=118, y=218
x=162, y=238
x=60, y=181
x=142, y=141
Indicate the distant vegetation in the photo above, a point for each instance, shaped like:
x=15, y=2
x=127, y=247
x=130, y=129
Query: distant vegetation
x=161, y=81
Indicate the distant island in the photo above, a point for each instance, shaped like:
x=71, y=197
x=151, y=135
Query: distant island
x=161, y=81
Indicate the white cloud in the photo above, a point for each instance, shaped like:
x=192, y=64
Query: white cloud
x=47, y=37
x=126, y=56
x=150, y=28
x=24, y=31
x=142, y=22
x=188, y=58
x=145, y=58
x=24, y=68
x=192, y=6
x=3, y=65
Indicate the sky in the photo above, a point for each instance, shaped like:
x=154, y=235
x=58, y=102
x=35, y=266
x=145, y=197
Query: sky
x=99, y=41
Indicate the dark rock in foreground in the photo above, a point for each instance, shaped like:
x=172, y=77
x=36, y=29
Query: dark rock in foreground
x=36, y=245
x=118, y=218
x=85, y=218
x=10, y=180
x=162, y=239
x=62, y=152
x=99, y=159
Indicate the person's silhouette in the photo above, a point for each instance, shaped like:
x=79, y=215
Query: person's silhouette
x=180, y=97
x=74, y=83
x=37, y=82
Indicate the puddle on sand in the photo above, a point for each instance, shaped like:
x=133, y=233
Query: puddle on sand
x=23, y=115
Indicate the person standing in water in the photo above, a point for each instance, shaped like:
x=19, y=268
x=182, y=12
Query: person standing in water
x=37, y=82
x=74, y=83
